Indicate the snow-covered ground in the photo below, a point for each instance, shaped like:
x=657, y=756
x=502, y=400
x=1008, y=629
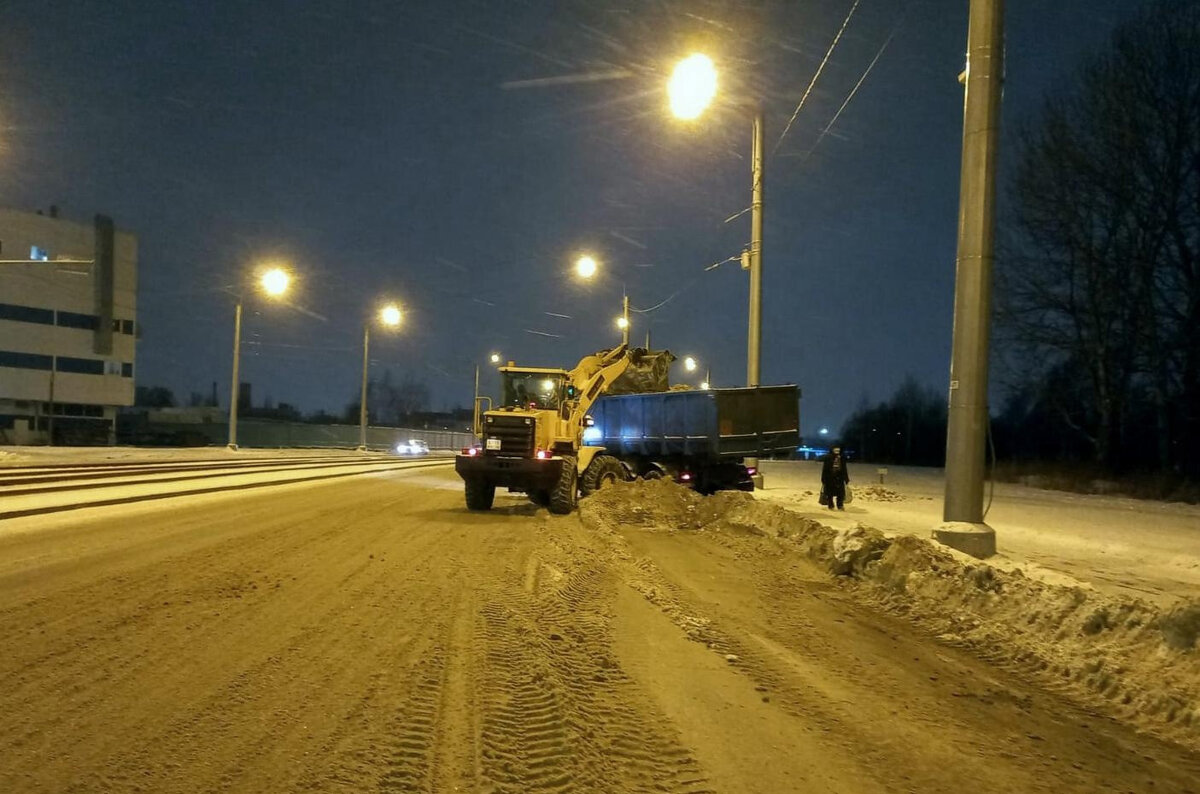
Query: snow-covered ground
x=1150, y=550
x=53, y=456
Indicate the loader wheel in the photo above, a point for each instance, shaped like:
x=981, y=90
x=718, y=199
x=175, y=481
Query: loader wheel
x=652, y=474
x=480, y=495
x=565, y=493
x=603, y=471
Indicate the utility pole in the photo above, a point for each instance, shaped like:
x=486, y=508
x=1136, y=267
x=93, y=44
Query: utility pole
x=233, y=391
x=966, y=435
x=362, y=403
x=625, y=317
x=475, y=405
x=754, y=335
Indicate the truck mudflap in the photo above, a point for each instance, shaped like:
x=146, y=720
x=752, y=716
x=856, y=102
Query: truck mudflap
x=517, y=474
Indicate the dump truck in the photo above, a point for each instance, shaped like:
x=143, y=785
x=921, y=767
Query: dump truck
x=555, y=435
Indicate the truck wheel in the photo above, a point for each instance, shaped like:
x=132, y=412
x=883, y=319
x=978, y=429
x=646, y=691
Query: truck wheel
x=480, y=495
x=565, y=493
x=603, y=471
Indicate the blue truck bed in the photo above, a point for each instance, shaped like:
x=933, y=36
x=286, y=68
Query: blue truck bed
x=702, y=425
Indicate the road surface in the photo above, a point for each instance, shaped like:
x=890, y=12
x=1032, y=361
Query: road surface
x=370, y=634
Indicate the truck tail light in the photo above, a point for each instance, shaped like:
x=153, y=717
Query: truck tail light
x=686, y=476
x=542, y=454
x=751, y=470
x=470, y=451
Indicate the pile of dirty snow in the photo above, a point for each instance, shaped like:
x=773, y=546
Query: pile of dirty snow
x=877, y=493
x=1130, y=658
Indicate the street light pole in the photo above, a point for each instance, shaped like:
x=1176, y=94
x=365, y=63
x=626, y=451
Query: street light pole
x=966, y=430
x=475, y=404
x=233, y=390
x=625, y=316
x=754, y=335
x=754, y=338
x=362, y=405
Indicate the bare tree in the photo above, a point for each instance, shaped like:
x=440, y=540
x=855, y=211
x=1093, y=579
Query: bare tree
x=1102, y=273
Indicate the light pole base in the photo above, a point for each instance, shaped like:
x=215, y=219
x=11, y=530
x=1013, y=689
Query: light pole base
x=231, y=447
x=360, y=449
x=976, y=539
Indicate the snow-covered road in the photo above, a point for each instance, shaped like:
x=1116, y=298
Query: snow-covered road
x=370, y=634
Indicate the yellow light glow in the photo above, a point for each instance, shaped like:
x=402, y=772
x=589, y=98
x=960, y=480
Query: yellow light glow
x=622, y=323
x=390, y=315
x=704, y=385
x=689, y=364
x=585, y=267
x=692, y=86
x=547, y=385
x=495, y=358
x=275, y=281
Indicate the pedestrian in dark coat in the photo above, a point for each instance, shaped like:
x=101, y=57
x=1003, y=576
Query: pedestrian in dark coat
x=834, y=476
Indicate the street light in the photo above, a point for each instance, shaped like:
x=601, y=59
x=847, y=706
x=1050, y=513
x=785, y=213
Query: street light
x=692, y=87
x=585, y=267
x=273, y=282
x=390, y=317
x=495, y=358
x=689, y=364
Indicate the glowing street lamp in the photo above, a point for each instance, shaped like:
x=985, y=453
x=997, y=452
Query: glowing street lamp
x=689, y=364
x=692, y=86
x=494, y=358
x=274, y=283
x=704, y=385
x=585, y=267
x=390, y=316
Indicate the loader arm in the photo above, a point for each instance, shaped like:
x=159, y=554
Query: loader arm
x=593, y=375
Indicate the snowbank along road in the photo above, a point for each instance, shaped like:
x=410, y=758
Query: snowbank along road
x=370, y=634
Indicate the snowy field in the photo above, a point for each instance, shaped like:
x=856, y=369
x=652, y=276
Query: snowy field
x=1117, y=545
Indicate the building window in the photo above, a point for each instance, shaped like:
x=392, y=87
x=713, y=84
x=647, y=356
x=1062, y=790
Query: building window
x=126, y=370
x=26, y=314
x=39, y=253
x=16, y=360
x=123, y=327
x=88, y=322
x=80, y=366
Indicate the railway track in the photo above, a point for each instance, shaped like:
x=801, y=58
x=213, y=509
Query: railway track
x=37, y=490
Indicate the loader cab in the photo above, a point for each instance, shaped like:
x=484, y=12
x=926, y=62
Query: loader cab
x=534, y=389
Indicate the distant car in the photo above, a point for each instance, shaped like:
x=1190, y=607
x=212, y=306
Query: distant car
x=414, y=446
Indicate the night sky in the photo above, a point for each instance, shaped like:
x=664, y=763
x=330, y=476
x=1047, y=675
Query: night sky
x=457, y=157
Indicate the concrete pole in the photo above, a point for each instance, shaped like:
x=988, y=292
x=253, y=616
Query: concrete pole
x=968, y=410
x=362, y=405
x=233, y=390
x=625, y=314
x=754, y=336
x=475, y=405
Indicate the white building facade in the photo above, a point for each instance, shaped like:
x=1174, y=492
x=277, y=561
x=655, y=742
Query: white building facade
x=68, y=323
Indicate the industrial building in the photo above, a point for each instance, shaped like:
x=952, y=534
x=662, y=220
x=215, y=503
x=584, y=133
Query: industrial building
x=68, y=328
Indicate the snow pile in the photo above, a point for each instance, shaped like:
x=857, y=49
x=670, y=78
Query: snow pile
x=1130, y=658
x=877, y=493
